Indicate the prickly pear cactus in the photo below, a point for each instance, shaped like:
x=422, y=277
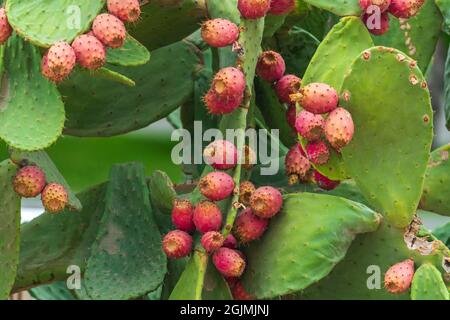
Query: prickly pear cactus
x=304, y=137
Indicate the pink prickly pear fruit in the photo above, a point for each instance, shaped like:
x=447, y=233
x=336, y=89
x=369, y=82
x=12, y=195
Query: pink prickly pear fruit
x=228, y=81
x=217, y=105
x=207, y=217
x=377, y=25
x=286, y=86
x=318, y=152
x=221, y=155
x=405, y=8
x=239, y=293
x=54, y=198
x=219, y=33
x=266, y=202
x=296, y=164
x=249, y=227
x=246, y=189
x=382, y=4
x=212, y=241
x=249, y=158
x=271, y=66
x=325, y=183
x=177, y=244
x=182, y=214
x=109, y=30
x=89, y=51
x=309, y=125
x=280, y=7
x=339, y=128
x=29, y=181
x=5, y=27
x=319, y=98
x=253, y=9
x=291, y=115
x=125, y=10
x=229, y=262
x=230, y=242
x=398, y=278
x=58, y=62
x=216, y=186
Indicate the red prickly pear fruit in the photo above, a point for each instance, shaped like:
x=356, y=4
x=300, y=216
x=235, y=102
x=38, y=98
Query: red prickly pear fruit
x=182, y=214
x=291, y=115
x=287, y=85
x=398, y=278
x=125, y=10
x=207, y=217
x=216, y=186
x=212, y=241
x=339, y=128
x=231, y=281
x=228, y=82
x=249, y=158
x=249, y=227
x=221, y=155
x=246, y=189
x=325, y=183
x=296, y=164
x=219, y=106
x=89, y=51
x=219, y=33
x=309, y=125
x=253, y=9
x=5, y=27
x=29, y=181
x=266, y=202
x=377, y=26
x=405, y=8
x=58, y=62
x=319, y=98
x=280, y=7
x=318, y=152
x=177, y=244
x=239, y=293
x=230, y=242
x=109, y=30
x=54, y=198
x=229, y=262
x=382, y=4
x=271, y=66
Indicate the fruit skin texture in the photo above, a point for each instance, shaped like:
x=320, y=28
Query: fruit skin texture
x=216, y=186
x=325, y=183
x=5, y=27
x=375, y=29
x=125, y=10
x=339, y=128
x=249, y=227
x=230, y=242
x=280, y=7
x=253, y=9
x=271, y=66
x=249, y=158
x=182, y=214
x=296, y=164
x=382, y=4
x=229, y=262
x=177, y=244
x=266, y=202
x=287, y=85
x=54, y=198
x=221, y=155
x=89, y=51
x=319, y=98
x=246, y=189
x=239, y=293
x=405, y=8
x=219, y=33
x=109, y=30
x=29, y=181
x=207, y=217
x=318, y=152
x=398, y=278
x=291, y=115
x=219, y=106
x=212, y=241
x=58, y=62
x=309, y=125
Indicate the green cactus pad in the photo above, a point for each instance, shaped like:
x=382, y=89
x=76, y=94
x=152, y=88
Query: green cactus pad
x=304, y=242
x=444, y=6
x=101, y=108
x=378, y=156
x=32, y=113
x=338, y=7
x=162, y=193
x=126, y=258
x=428, y=284
x=44, y=22
x=437, y=182
x=109, y=75
x=224, y=9
x=9, y=229
x=214, y=286
x=131, y=54
x=330, y=63
x=54, y=291
x=52, y=174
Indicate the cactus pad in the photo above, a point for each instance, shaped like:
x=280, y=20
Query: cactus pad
x=338, y=7
x=162, y=192
x=130, y=55
x=428, y=284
